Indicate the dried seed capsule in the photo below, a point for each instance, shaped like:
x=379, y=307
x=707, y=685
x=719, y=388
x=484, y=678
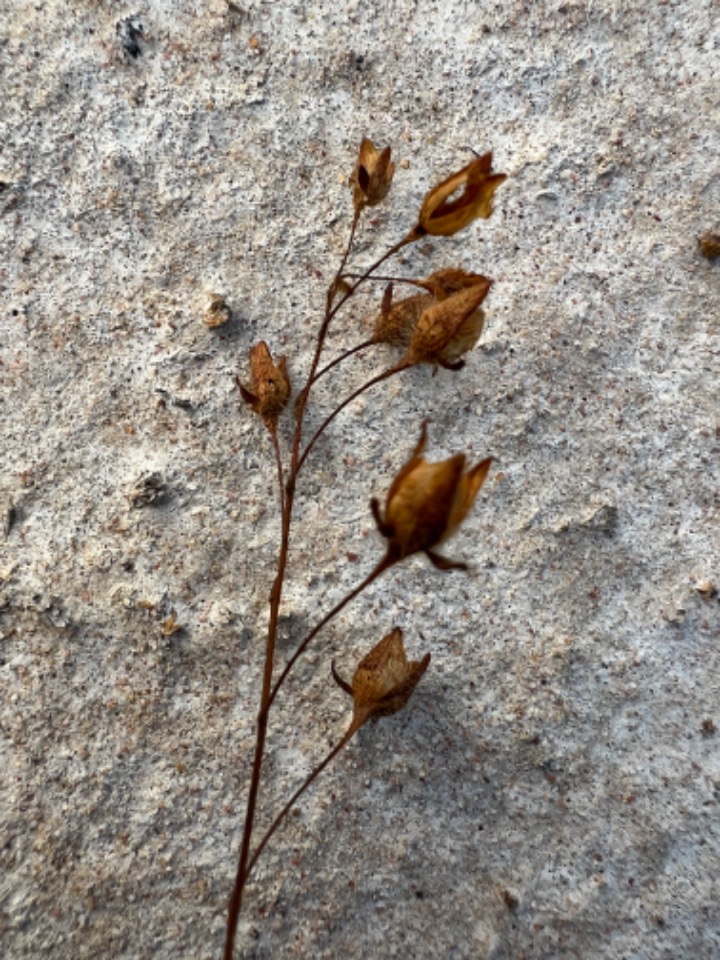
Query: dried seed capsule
x=269, y=385
x=427, y=502
x=384, y=679
x=441, y=215
x=373, y=174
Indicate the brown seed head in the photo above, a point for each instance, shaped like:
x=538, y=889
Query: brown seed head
x=427, y=502
x=397, y=324
x=450, y=280
x=372, y=177
x=441, y=215
x=269, y=385
x=385, y=679
x=451, y=326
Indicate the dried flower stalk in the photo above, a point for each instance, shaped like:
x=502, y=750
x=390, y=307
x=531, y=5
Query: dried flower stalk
x=426, y=502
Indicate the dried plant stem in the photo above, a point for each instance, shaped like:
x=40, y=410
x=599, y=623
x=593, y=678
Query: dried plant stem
x=343, y=356
x=280, y=469
x=373, y=575
x=330, y=312
x=298, y=793
x=261, y=730
x=385, y=375
x=384, y=279
x=269, y=692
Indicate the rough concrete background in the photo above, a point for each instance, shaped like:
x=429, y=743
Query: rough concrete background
x=553, y=789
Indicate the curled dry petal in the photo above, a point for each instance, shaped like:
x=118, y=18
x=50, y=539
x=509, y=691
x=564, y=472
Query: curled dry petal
x=397, y=323
x=450, y=327
x=443, y=214
x=443, y=283
x=373, y=174
x=269, y=385
x=385, y=679
x=426, y=504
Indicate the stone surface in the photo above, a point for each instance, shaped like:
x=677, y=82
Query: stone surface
x=552, y=789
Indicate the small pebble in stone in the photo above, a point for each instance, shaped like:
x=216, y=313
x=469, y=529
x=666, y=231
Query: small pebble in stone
x=218, y=312
x=149, y=490
x=709, y=244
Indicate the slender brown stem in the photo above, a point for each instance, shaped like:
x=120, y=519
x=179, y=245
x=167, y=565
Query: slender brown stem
x=343, y=356
x=383, y=279
x=261, y=731
x=298, y=793
x=268, y=691
x=280, y=469
x=384, y=564
x=329, y=314
x=328, y=420
x=287, y=497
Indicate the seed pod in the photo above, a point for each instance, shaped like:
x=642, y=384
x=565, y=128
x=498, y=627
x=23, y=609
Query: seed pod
x=426, y=504
x=269, y=385
x=373, y=174
x=384, y=680
x=449, y=328
x=440, y=215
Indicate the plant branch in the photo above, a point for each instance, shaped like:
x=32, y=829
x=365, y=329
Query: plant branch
x=385, y=375
x=262, y=722
x=330, y=312
x=269, y=691
x=298, y=793
x=343, y=356
x=384, y=564
x=280, y=470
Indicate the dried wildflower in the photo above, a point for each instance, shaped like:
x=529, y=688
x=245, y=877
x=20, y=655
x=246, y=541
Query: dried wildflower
x=270, y=385
x=709, y=244
x=426, y=504
x=384, y=680
x=443, y=283
x=440, y=215
x=372, y=177
x=448, y=328
x=397, y=324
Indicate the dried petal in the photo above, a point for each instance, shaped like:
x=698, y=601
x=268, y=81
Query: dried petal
x=440, y=215
x=450, y=327
x=385, y=679
x=373, y=174
x=396, y=325
x=450, y=280
x=270, y=385
x=427, y=502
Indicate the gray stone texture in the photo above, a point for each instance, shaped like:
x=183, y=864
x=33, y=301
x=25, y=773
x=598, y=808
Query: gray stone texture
x=552, y=789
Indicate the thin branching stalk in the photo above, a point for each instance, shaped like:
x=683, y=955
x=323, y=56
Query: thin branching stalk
x=344, y=356
x=298, y=793
x=385, y=375
x=280, y=469
x=426, y=501
x=384, y=564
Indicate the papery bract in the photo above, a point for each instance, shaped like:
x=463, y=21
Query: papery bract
x=426, y=504
x=442, y=214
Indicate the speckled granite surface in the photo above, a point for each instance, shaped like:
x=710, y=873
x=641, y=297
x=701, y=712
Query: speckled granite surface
x=552, y=789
